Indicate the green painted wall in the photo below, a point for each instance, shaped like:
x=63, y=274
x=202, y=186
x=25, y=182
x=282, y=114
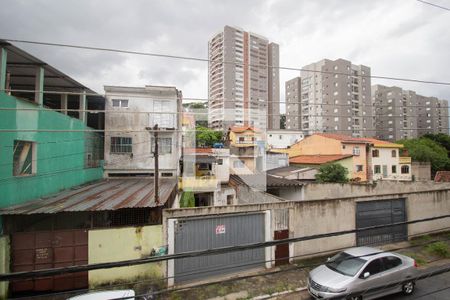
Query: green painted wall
x=60, y=157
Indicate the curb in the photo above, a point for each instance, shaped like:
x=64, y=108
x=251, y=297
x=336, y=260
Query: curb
x=267, y=296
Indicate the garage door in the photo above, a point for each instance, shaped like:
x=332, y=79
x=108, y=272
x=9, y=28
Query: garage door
x=215, y=232
x=382, y=212
x=49, y=249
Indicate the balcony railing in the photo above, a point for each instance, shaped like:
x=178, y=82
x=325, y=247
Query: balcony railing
x=405, y=160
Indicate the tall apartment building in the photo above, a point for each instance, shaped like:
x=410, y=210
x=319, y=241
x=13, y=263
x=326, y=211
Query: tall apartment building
x=241, y=86
x=334, y=97
x=403, y=114
x=293, y=96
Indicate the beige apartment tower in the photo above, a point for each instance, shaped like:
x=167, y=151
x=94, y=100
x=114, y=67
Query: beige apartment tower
x=243, y=80
x=403, y=114
x=331, y=96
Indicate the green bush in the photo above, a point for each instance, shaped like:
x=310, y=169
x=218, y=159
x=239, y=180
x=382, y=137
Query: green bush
x=440, y=249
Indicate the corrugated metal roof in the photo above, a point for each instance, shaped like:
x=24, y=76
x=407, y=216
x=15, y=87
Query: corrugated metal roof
x=109, y=194
x=258, y=180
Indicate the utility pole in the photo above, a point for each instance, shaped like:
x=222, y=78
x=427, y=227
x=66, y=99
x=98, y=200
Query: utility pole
x=156, y=157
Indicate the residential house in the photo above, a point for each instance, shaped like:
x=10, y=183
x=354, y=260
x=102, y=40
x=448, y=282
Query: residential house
x=276, y=160
x=132, y=113
x=387, y=163
x=206, y=172
x=321, y=147
x=315, y=161
x=283, y=139
x=247, y=148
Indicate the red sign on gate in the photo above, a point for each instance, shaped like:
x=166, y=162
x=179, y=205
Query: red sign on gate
x=220, y=229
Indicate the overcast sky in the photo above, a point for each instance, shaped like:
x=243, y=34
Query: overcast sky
x=401, y=38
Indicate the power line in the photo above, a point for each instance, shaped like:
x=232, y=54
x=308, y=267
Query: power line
x=97, y=266
x=190, y=58
x=435, y=5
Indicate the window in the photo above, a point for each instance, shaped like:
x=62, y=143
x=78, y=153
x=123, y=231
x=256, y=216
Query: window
x=220, y=161
x=359, y=168
x=166, y=174
x=120, y=103
x=356, y=150
x=164, y=145
x=394, y=153
x=391, y=262
x=405, y=169
x=394, y=169
x=121, y=144
x=374, y=267
x=377, y=169
x=24, y=161
x=241, y=139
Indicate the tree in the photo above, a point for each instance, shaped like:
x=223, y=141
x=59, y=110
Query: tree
x=426, y=150
x=205, y=137
x=282, y=121
x=332, y=173
x=187, y=199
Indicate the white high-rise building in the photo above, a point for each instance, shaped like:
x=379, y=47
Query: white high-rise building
x=243, y=80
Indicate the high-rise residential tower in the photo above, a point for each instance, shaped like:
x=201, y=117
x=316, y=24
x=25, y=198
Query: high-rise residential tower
x=403, y=114
x=334, y=97
x=243, y=80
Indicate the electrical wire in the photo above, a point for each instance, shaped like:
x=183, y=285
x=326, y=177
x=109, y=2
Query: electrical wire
x=435, y=5
x=295, y=268
x=225, y=100
x=190, y=58
x=96, y=266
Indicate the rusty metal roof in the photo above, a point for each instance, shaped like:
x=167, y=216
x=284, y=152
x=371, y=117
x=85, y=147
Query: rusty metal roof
x=102, y=195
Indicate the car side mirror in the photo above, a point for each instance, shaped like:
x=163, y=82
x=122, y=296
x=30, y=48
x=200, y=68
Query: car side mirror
x=366, y=275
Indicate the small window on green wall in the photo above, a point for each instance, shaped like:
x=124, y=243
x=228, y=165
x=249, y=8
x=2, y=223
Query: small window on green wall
x=24, y=162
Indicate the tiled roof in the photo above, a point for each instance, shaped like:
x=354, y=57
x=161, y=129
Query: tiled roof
x=238, y=129
x=442, y=176
x=350, y=139
x=103, y=195
x=197, y=150
x=317, y=159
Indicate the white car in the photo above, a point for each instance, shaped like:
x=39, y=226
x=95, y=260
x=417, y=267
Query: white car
x=104, y=295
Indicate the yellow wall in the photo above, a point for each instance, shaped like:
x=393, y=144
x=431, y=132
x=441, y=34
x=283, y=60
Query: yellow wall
x=109, y=245
x=316, y=144
x=4, y=264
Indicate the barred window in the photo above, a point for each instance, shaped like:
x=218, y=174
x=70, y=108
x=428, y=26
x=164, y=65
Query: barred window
x=164, y=145
x=121, y=144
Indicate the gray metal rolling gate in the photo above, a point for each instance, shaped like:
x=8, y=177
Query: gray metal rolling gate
x=218, y=231
x=381, y=212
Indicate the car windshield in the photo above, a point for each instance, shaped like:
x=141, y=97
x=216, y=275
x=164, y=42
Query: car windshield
x=345, y=264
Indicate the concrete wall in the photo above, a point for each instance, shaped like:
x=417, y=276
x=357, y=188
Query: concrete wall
x=421, y=171
x=108, y=245
x=337, y=214
x=4, y=264
x=336, y=190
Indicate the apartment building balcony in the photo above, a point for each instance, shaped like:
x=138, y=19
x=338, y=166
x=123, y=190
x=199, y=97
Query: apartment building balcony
x=404, y=160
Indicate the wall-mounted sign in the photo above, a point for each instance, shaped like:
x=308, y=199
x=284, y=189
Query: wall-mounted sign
x=220, y=229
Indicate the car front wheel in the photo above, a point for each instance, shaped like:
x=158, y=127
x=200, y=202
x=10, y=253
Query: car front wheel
x=408, y=288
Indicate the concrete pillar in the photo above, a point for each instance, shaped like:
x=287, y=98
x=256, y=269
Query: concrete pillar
x=3, y=59
x=64, y=104
x=39, y=86
x=82, y=114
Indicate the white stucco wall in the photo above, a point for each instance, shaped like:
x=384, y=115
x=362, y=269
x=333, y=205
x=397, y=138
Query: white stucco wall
x=385, y=159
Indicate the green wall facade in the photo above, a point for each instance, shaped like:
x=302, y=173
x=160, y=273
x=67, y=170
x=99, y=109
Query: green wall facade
x=60, y=156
